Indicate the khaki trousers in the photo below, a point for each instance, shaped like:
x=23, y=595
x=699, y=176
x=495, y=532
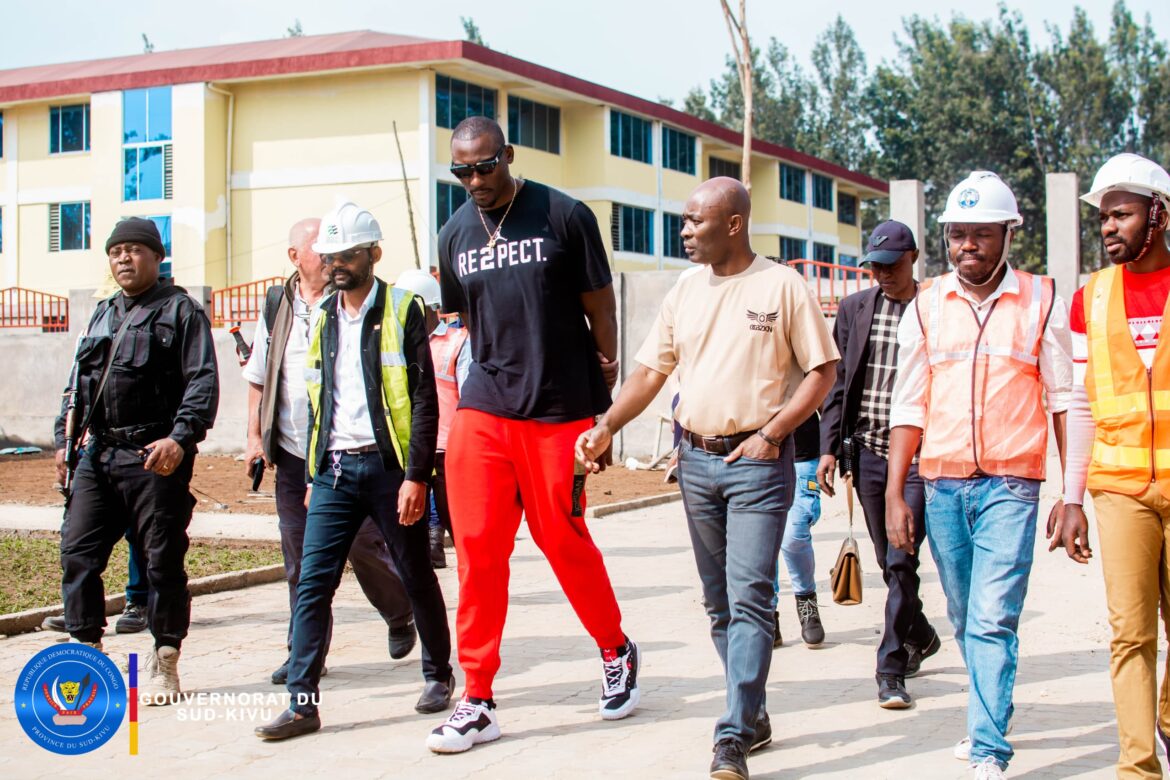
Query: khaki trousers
x=1135, y=559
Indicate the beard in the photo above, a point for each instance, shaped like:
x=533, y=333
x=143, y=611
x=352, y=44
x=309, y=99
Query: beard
x=346, y=279
x=1124, y=251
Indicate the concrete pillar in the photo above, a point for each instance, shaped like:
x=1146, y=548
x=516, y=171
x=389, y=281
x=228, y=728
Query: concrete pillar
x=908, y=206
x=1061, y=192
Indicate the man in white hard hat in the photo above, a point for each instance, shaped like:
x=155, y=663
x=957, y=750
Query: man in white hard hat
x=371, y=449
x=1119, y=442
x=980, y=351
x=451, y=353
x=277, y=424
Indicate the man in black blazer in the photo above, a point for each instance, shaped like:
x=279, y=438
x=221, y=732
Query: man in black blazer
x=856, y=414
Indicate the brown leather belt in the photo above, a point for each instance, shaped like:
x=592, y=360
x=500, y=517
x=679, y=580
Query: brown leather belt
x=717, y=445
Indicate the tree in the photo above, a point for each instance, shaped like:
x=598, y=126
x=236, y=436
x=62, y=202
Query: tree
x=295, y=31
x=741, y=45
x=839, y=124
x=471, y=30
x=147, y=46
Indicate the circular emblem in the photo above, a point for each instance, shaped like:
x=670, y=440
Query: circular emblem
x=968, y=198
x=70, y=698
x=762, y=317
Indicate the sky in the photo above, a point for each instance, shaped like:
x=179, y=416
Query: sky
x=650, y=49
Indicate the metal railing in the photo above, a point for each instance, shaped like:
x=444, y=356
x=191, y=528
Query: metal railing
x=24, y=308
x=832, y=282
x=241, y=302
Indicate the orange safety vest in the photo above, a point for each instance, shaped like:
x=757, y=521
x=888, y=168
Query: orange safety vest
x=445, y=355
x=985, y=414
x=1130, y=403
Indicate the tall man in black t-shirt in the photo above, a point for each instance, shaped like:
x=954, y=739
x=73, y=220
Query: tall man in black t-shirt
x=525, y=267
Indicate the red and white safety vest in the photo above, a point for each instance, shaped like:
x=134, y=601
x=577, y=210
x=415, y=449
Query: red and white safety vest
x=445, y=351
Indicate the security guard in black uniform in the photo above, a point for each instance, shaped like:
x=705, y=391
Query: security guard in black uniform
x=156, y=397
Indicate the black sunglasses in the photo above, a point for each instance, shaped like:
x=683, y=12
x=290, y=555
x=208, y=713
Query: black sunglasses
x=483, y=168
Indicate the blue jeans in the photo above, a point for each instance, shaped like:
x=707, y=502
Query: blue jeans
x=735, y=514
x=137, y=588
x=797, y=544
x=365, y=488
x=982, y=532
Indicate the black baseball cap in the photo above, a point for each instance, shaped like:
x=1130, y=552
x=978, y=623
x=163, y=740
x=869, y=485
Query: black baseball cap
x=888, y=242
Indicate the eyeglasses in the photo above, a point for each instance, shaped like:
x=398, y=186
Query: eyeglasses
x=344, y=258
x=483, y=167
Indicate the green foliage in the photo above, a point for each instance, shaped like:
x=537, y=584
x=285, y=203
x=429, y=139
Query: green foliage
x=963, y=95
x=471, y=30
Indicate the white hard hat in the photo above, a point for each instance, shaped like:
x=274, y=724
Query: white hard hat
x=345, y=227
x=1131, y=173
x=982, y=197
x=421, y=284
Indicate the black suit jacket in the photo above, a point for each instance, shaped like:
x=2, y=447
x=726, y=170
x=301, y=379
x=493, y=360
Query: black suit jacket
x=851, y=332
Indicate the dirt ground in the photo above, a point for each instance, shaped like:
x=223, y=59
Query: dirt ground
x=221, y=485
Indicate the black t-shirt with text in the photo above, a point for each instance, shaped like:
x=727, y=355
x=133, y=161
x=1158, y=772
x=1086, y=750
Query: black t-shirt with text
x=535, y=358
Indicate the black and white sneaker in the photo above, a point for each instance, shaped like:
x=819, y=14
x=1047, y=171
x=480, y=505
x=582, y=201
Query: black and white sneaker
x=472, y=722
x=619, y=681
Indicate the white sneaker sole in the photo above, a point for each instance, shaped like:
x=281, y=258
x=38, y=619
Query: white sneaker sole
x=962, y=749
x=438, y=743
x=624, y=710
x=895, y=703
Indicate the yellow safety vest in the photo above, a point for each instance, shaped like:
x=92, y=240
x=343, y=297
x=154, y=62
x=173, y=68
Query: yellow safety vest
x=1130, y=403
x=395, y=384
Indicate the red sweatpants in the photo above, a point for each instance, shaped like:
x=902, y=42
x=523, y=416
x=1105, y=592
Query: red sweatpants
x=497, y=468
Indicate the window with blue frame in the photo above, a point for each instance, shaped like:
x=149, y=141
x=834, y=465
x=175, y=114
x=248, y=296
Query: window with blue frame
x=448, y=198
x=792, y=183
x=534, y=125
x=717, y=166
x=629, y=137
x=69, y=128
x=822, y=192
x=456, y=100
x=792, y=248
x=678, y=150
x=146, y=144
x=163, y=223
x=632, y=229
x=823, y=252
x=68, y=226
x=672, y=245
x=846, y=208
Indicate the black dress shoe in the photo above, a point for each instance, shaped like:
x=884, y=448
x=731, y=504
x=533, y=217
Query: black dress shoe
x=729, y=762
x=916, y=654
x=287, y=725
x=54, y=623
x=280, y=676
x=763, y=735
x=438, y=554
x=402, y=640
x=436, y=696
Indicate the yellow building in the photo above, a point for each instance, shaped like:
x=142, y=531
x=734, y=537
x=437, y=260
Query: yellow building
x=227, y=146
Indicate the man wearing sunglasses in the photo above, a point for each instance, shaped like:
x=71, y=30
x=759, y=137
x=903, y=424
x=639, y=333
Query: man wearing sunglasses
x=526, y=269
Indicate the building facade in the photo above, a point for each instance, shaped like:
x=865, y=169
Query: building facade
x=226, y=146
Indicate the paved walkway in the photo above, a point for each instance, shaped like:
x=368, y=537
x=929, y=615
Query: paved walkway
x=822, y=701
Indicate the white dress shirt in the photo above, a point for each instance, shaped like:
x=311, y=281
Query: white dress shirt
x=292, y=403
x=352, y=427
x=1056, y=369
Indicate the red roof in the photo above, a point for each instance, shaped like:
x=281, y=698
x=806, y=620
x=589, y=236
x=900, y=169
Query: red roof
x=342, y=51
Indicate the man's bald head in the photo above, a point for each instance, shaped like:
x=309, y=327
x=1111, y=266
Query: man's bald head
x=303, y=233
x=715, y=222
x=474, y=127
x=726, y=194
x=300, y=250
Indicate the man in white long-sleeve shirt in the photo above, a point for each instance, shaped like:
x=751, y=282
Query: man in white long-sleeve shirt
x=977, y=354
x=1119, y=442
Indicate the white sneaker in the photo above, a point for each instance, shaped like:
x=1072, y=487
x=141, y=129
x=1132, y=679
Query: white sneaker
x=988, y=769
x=619, y=682
x=163, y=686
x=962, y=749
x=470, y=724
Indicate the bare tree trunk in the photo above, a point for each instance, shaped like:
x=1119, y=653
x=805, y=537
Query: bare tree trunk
x=742, y=47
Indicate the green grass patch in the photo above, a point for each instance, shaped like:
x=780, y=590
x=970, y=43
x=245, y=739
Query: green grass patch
x=30, y=566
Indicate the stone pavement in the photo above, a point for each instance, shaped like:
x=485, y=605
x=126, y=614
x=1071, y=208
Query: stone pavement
x=824, y=716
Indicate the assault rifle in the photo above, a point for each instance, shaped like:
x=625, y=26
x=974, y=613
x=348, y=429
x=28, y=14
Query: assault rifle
x=72, y=435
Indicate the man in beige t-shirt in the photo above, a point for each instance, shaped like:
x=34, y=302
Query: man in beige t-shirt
x=754, y=359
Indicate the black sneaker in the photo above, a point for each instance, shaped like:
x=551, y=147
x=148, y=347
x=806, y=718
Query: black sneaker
x=132, y=620
x=619, y=681
x=54, y=623
x=915, y=654
x=763, y=736
x=729, y=763
x=892, y=693
x=811, y=630
x=777, y=639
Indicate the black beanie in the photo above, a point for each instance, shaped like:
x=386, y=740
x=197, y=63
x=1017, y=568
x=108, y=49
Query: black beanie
x=139, y=231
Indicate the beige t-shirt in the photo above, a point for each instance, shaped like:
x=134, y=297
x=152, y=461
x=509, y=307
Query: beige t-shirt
x=741, y=345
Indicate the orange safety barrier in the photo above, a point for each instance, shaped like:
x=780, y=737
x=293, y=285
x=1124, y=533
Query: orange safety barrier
x=832, y=282
x=240, y=303
x=24, y=308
